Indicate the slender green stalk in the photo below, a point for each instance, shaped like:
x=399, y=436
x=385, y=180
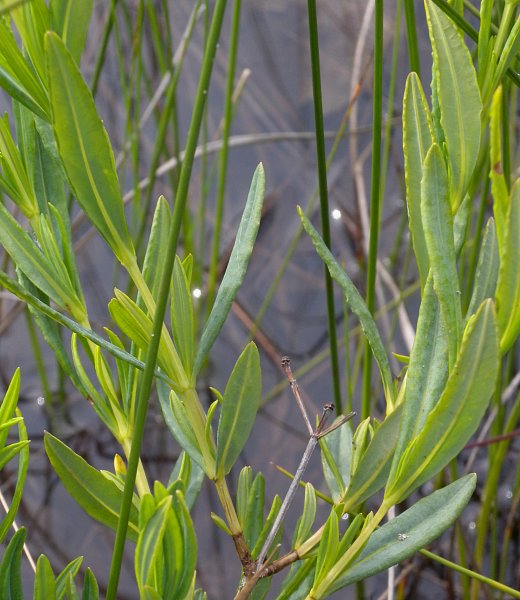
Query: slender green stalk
x=411, y=37
x=151, y=356
x=162, y=130
x=324, y=195
x=474, y=575
x=391, y=95
x=228, y=114
x=100, y=61
x=375, y=196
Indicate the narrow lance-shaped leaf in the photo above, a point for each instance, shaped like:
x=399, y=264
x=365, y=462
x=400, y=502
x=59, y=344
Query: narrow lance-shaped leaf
x=70, y=570
x=85, y=149
x=508, y=287
x=486, y=275
x=149, y=545
x=438, y=230
x=336, y=454
x=236, y=269
x=90, y=587
x=36, y=266
x=357, y=305
x=183, y=323
x=239, y=407
x=372, y=471
x=459, y=100
x=17, y=77
x=23, y=465
x=44, y=585
x=10, y=568
x=427, y=371
x=98, y=496
x=409, y=532
x=496, y=174
x=70, y=20
x=457, y=414
x=418, y=137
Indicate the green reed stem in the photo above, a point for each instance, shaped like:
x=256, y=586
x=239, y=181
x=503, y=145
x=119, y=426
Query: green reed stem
x=222, y=176
x=375, y=196
x=151, y=355
x=100, y=61
x=163, y=126
x=324, y=194
x=411, y=37
x=474, y=575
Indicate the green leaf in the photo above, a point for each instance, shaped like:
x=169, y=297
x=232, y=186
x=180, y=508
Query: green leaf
x=245, y=480
x=307, y=518
x=10, y=568
x=14, y=176
x=44, y=585
x=71, y=570
x=240, y=404
x=10, y=451
x=457, y=414
x=438, y=230
x=459, y=100
x=268, y=525
x=336, y=454
x=18, y=78
x=149, y=544
x=71, y=589
x=508, y=286
x=496, y=173
x=427, y=372
x=90, y=587
x=70, y=20
x=154, y=257
x=85, y=149
x=298, y=582
x=254, y=520
x=236, y=269
x=35, y=265
x=372, y=471
x=9, y=403
x=486, y=275
x=418, y=137
x=183, y=322
x=98, y=496
x=186, y=554
x=191, y=475
x=178, y=422
x=356, y=304
x=137, y=325
x=221, y=524
x=328, y=548
x=32, y=20
x=422, y=523
x=23, y=464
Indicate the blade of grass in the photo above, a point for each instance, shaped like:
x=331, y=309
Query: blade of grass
x=324, y=195
x=151, y=356
x=222, y=176
x=375, y=197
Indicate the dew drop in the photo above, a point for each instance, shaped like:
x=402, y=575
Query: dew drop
x=40, y=401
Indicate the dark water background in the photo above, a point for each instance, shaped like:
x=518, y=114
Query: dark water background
x=277, y=98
